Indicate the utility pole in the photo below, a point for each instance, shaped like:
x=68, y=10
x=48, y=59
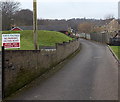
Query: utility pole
x=35, y=24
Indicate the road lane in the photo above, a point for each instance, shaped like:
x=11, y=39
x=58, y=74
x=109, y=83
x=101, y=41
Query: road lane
x=91, y=75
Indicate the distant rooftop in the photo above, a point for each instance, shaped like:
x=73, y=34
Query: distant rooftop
x=47, y=27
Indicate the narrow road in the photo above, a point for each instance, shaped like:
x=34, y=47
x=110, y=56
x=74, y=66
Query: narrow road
x=91, y=75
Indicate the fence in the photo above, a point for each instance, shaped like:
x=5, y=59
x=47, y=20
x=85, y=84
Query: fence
x=21, y=67
x=99, y=37
x=86, y=36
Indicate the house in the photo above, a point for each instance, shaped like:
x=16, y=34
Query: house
x=112, y=27
x=16, y=29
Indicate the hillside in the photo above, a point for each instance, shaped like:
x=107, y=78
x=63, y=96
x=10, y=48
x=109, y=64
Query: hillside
x=45, y=38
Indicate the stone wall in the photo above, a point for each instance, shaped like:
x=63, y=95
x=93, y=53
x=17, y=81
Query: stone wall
x=21, y=67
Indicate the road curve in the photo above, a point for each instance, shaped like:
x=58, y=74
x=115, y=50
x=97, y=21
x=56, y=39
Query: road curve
x=91, y=75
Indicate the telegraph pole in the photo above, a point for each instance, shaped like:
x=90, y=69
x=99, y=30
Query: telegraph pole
x=35, y=24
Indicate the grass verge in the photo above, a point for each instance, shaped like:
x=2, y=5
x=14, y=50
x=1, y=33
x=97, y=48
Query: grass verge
x=116, y=50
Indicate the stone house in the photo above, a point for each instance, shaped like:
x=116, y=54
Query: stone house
x=112, y=27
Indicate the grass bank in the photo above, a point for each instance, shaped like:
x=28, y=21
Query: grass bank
x=45, y=38
x=116, y=49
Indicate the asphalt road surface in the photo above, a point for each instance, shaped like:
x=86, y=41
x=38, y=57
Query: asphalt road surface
x=91, y=75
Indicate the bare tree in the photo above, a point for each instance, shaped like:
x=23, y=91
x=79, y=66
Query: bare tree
x=24, y=17
x=8, y=10
x=85, y=27
x=98, y=29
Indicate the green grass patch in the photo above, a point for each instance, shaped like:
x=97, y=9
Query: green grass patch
x=116, y=49
x=45, y=38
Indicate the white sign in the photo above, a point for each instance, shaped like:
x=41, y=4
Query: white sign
x=11, y=40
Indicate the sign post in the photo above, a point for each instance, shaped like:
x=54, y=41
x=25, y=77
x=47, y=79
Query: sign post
x=11, y=40
x=2, y=75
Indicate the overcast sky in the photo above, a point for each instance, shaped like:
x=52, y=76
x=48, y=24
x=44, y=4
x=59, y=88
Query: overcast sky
x=66, y=9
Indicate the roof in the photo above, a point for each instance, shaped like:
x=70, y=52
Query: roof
x=17, y=28
x=47, y=27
